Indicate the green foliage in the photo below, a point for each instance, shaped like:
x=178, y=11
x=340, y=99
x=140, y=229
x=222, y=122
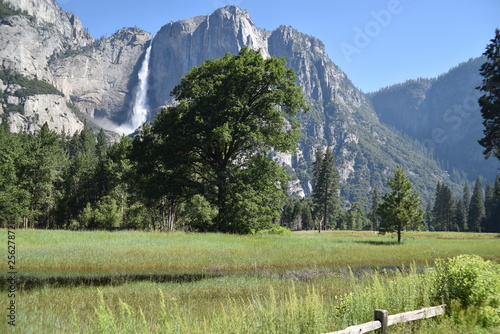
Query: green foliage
x=355, y=219
x=276, y=229
x=293, y=309
x=493, y=208
x=14, y=199
x=477, y=212
x=6, y=10
x=197, y=213
x=444, y=212
x=215, y=143
x=473, y=282
x=29, y=87
x=400, y=208
x=325, y=190
x=490, y=101
x=14, y=108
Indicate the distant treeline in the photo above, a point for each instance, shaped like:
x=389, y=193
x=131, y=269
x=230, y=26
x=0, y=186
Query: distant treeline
x=56, y=181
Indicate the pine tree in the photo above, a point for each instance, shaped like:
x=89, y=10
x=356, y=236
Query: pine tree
x=80, y=183
x=492, y=206
x=325, y=190
x=466, y=203
x=477, y=215
x=372, y=215
x=443, y=212
x=490, y=101
x=14, y=200
x=356, y=219
x=42, y=171
x=307, y=214
x=429, y=217
x=489, y=206
x=400, y=208
x=461, y=216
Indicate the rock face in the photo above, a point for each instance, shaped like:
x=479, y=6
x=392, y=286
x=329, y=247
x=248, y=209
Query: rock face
x=100, y=80
x=179, y=46
x=39, y=109
x=40, y=32
x=37, y=33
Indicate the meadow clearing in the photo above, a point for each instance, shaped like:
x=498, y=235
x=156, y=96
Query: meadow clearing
x=306, y=282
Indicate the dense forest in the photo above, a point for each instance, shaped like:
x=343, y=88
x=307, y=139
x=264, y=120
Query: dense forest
x=57, y=181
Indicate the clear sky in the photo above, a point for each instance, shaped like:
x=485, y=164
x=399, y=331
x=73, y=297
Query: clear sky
x=375, y=42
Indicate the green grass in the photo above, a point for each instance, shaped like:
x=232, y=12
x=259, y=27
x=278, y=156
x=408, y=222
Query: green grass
x=103, y=253
x=251, y=284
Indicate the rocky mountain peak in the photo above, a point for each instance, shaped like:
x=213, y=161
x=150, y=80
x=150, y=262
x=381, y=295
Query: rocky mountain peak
x=46, y=13
x=181, y=45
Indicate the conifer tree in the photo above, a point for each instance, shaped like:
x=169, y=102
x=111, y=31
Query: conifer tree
x=492, y=206
x=461, y=216
x=372, y=215
x=490, y=101
x=400, y=208
x=489, y=205
x=477, y=215
x=41, y=175
x=325, y=189
x=429, y=217
x=14, y=200
x=443, y=212
x=466, y=203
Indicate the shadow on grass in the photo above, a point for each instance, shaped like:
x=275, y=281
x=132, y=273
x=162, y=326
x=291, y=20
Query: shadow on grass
x=25, y=282
x=377, y=242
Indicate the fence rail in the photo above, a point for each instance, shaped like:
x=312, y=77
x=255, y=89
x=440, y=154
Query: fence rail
x=383, y=320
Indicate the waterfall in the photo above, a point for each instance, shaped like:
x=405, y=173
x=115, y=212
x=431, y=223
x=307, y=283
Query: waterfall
x=140, y=107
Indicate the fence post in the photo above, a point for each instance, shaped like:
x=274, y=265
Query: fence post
x=383, y=317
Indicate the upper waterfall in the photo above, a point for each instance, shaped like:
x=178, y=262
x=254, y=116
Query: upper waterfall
x=140, y=107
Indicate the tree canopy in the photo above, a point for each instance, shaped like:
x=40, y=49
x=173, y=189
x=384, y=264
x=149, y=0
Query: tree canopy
x=230, y=114
x=490, y=101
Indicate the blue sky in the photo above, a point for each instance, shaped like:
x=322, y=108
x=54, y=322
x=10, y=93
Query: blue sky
x=375, y=42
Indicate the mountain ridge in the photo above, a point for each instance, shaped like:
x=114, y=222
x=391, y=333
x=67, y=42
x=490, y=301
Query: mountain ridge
x=443, y=114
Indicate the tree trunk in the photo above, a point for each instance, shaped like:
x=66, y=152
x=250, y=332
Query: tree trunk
x=399, y=232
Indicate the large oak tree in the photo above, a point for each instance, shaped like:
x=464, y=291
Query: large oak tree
x=230, y=114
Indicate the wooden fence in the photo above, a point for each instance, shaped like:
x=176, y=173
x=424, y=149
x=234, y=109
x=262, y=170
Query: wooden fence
x=383, y=320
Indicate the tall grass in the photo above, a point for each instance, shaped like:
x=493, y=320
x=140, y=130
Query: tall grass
x=308, y=311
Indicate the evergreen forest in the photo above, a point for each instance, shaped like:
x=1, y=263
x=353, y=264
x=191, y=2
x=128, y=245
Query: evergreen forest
x=80, y=182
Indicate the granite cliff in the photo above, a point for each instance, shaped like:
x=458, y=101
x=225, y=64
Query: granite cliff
x=32, y=32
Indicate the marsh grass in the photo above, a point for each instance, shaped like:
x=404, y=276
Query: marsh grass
x=295, y=283
x=294, y=309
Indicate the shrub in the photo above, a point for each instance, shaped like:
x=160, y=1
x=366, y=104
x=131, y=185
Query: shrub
x=276, y=229
x=472, y=282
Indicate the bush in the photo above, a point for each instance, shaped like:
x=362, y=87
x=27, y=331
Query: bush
x=471, y=282
x=276, y=229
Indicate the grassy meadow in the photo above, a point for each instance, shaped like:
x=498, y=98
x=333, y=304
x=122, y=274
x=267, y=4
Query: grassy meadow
x=130, y=281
